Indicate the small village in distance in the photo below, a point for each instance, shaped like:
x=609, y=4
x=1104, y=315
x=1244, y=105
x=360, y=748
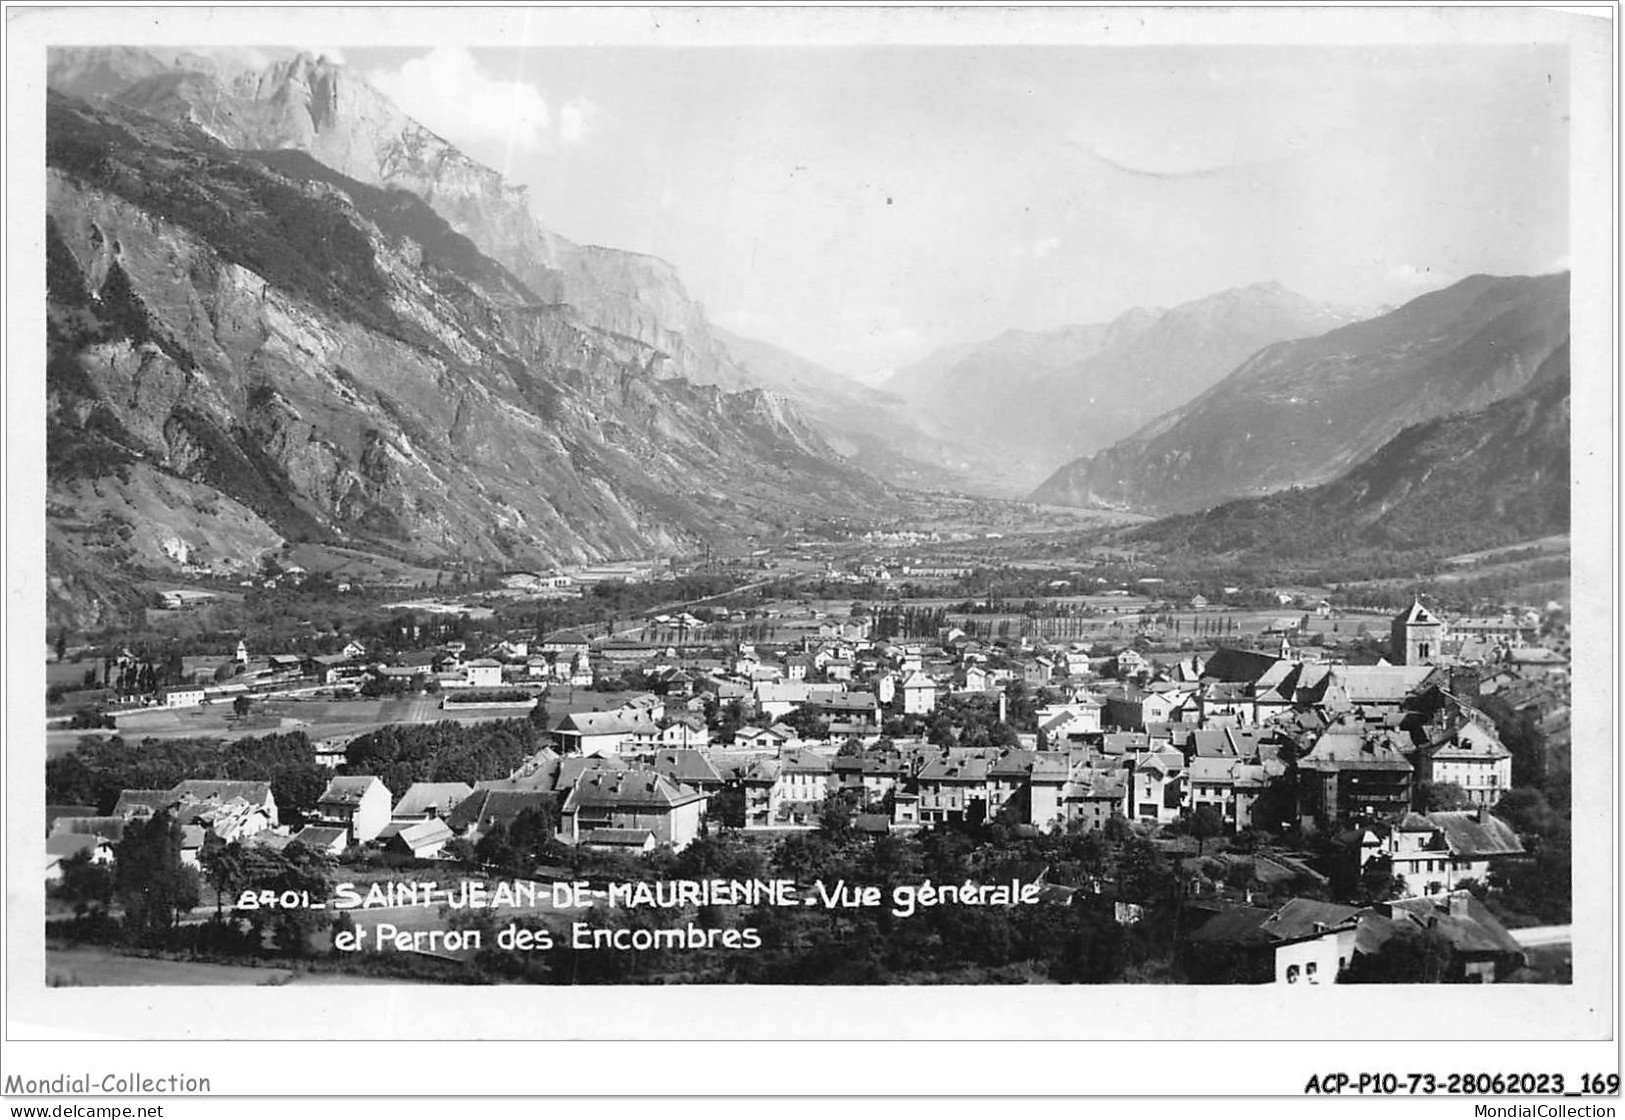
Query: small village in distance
x=1208, y=782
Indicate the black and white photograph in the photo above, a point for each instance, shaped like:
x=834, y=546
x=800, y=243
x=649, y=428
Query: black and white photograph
x=1028, y=515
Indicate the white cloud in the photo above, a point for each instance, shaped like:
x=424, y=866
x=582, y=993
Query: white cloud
x=328, y=54
x=575, y=120
x=448, y=91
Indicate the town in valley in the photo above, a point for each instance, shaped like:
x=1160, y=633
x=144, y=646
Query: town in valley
x=1057, y=598
x=1207, y=783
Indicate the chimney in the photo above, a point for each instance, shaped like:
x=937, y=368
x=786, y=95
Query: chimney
x=1458, y=903
x=1483, y=814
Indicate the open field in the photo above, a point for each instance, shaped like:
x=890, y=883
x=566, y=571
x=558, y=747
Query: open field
x=319, y=719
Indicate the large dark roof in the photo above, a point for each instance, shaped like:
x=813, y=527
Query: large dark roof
x=1471, y=833
x=1237, y=665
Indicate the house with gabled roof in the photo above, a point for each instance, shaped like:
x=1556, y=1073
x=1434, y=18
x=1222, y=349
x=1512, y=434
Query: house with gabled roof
x=1375, y=688
x=640, y=800
x=804, y=776
x=848, y=712
x=1354, y=771
x=756, y=738
x=135, y=804
x=1239, y=666
x=954, y=785
x=872, y=775
x=233, y=810
x=777, y=700
x=328, y=839
x=1156, y=786
x=618, y=732
x=919, y=694
x=1481, y=949
x=484, y=809
x=61, y=848
x=1131, y=663
x=688, y=768
x=422, y=839
x=686, y=731
x=1219, y=699
x=231, y=820
x=360, y=803
x=1075, y=719
x=257, y=794
x=1470, y=755
x=760, y=781
x=1437, y=852
x=1093, y=795
x=425, y=800
x=1303, y=942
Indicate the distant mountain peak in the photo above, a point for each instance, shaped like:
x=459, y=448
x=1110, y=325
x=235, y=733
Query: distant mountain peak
x=1309, y=407
x=1099, y=382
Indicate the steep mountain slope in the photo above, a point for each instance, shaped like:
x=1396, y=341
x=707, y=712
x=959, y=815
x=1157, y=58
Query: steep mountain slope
x=1302, y=412
x=870, y=427
x=1029, y=400
x=246, y=350
x=320, y=107
x=1459, y=483
x=314, y=106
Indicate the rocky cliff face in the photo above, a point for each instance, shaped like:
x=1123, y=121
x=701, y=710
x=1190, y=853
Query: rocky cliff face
x=246, y=350
x=321, y=108
x=1032, y=400
x=1300, y=413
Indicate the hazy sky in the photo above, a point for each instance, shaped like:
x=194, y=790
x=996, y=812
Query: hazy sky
x=863, y=206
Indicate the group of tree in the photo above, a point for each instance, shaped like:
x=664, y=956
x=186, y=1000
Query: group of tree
x=153, y=891
x=445, y=751
x=519, y=847
x=154, y=888
x=234, y=868
x=143, y=675
x=103, y=766
x=896, y=622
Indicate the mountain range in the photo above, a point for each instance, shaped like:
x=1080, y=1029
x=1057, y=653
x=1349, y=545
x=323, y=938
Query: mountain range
x=247, y=348
x=1022, y=403
x=1302, y=412
x=317, y=106
x=280, y=310
x=312, y=105
x=1460, y=483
